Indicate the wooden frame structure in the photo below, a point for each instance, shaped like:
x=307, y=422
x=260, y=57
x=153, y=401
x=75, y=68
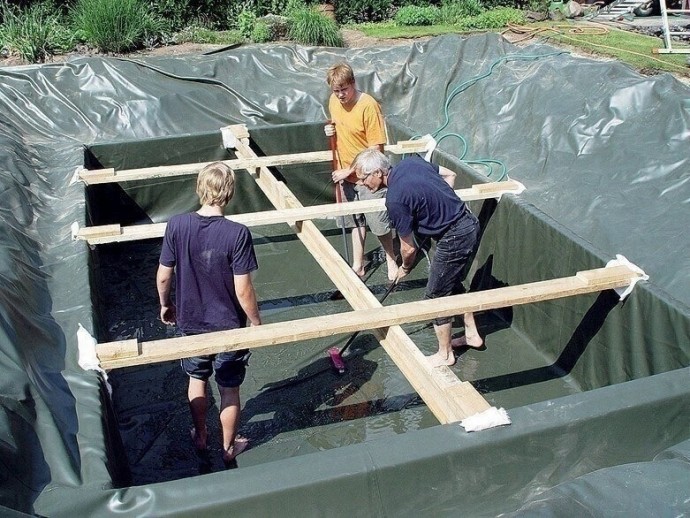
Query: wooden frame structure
x=448, y=398
x=102, y=234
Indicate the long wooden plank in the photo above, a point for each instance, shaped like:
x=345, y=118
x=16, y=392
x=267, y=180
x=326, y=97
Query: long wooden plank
x=124, y=353
x=102, y=234
x=97, y=176
x=100, y=176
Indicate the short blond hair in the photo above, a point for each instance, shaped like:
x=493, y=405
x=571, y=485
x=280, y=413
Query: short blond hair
x=340, y=74
x=215, y=185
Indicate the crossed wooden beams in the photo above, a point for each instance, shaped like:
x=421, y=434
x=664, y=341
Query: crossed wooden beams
x=448, y=398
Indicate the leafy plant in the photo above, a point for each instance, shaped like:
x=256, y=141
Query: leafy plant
x=182, y=13
x=246, y=21
x=362, y=11
x=416, y=15
x=261, y=33
x=538, y=6
x=117, y=25
x=494, y=19
x=34, y=33
x=454, y=10
x=198, y=34
x=419, y=3
x=310, y=27
x=493, y=4
x=285, y=7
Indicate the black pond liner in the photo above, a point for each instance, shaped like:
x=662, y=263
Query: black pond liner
x=597, y=389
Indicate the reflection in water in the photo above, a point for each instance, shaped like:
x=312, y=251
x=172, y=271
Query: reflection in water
x=293, y=401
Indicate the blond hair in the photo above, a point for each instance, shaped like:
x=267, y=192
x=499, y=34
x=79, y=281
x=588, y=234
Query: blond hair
x=215, y=185
x=340, y=74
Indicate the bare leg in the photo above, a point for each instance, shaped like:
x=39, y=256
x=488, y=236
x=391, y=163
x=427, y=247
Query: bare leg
x=445, y=355
x=472, y=337
x=359, y=235
x=233, y=445
x=387, y=244
x=198, y=403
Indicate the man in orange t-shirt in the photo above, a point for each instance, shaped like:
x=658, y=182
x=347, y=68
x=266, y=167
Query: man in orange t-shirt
x=358, y=124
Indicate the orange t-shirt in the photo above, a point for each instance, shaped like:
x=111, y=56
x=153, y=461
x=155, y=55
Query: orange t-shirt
x=356, y=129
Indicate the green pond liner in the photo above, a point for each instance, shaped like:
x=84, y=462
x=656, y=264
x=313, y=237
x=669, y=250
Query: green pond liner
x=597, y=389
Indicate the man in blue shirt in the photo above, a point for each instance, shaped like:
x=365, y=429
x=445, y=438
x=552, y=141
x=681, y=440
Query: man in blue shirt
x=211, y=259
x=421, y=200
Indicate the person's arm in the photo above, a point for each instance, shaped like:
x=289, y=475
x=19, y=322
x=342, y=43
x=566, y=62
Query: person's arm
x=244, y=289
x=408, y=252
x=164, y=277
x=447, y=175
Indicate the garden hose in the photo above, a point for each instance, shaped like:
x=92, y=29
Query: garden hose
x=562, y=31
x=488, y=163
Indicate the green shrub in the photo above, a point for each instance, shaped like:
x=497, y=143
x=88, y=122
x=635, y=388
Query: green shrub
x=414, y=15
x=283, y=7
x=261, y=33
x=493, y=4
x=35, y=32
x=246, y=20
x=117, y=25
x=179, y=14
x=361, y=11
x=494, y=19
x=310, y=27
x=198, y=34
x=419, y=3
x=539, y=6
x=454, y=10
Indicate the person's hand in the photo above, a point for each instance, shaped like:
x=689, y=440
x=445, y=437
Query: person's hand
x=168, y=315
x=340, y=175
x=329, y=129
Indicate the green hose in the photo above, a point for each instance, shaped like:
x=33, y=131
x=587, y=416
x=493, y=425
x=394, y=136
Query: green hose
x=487, y=163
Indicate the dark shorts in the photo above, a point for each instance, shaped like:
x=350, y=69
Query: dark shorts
x=454, y=250
x=230, y=367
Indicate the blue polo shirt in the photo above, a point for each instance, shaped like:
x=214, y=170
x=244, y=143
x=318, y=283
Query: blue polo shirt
x=419, y=199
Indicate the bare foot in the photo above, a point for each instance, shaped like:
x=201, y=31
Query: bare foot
x=199, y=440
x=475, y=342
x=359, y=270
x=438, y=359
x=241, y=444
x=392, y=270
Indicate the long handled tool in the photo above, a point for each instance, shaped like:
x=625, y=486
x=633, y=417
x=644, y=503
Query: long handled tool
x=339, y=190
x=336, y=354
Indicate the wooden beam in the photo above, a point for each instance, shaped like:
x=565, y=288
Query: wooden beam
x=100, y=176
x=98, y=235
x=459, y=398
x=124, y=353
x=107, y=232
x=97, y=176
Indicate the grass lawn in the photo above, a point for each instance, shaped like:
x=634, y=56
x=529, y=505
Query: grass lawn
x=629, y=47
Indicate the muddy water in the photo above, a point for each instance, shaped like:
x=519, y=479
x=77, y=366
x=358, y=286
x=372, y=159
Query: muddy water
x=293, y=401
